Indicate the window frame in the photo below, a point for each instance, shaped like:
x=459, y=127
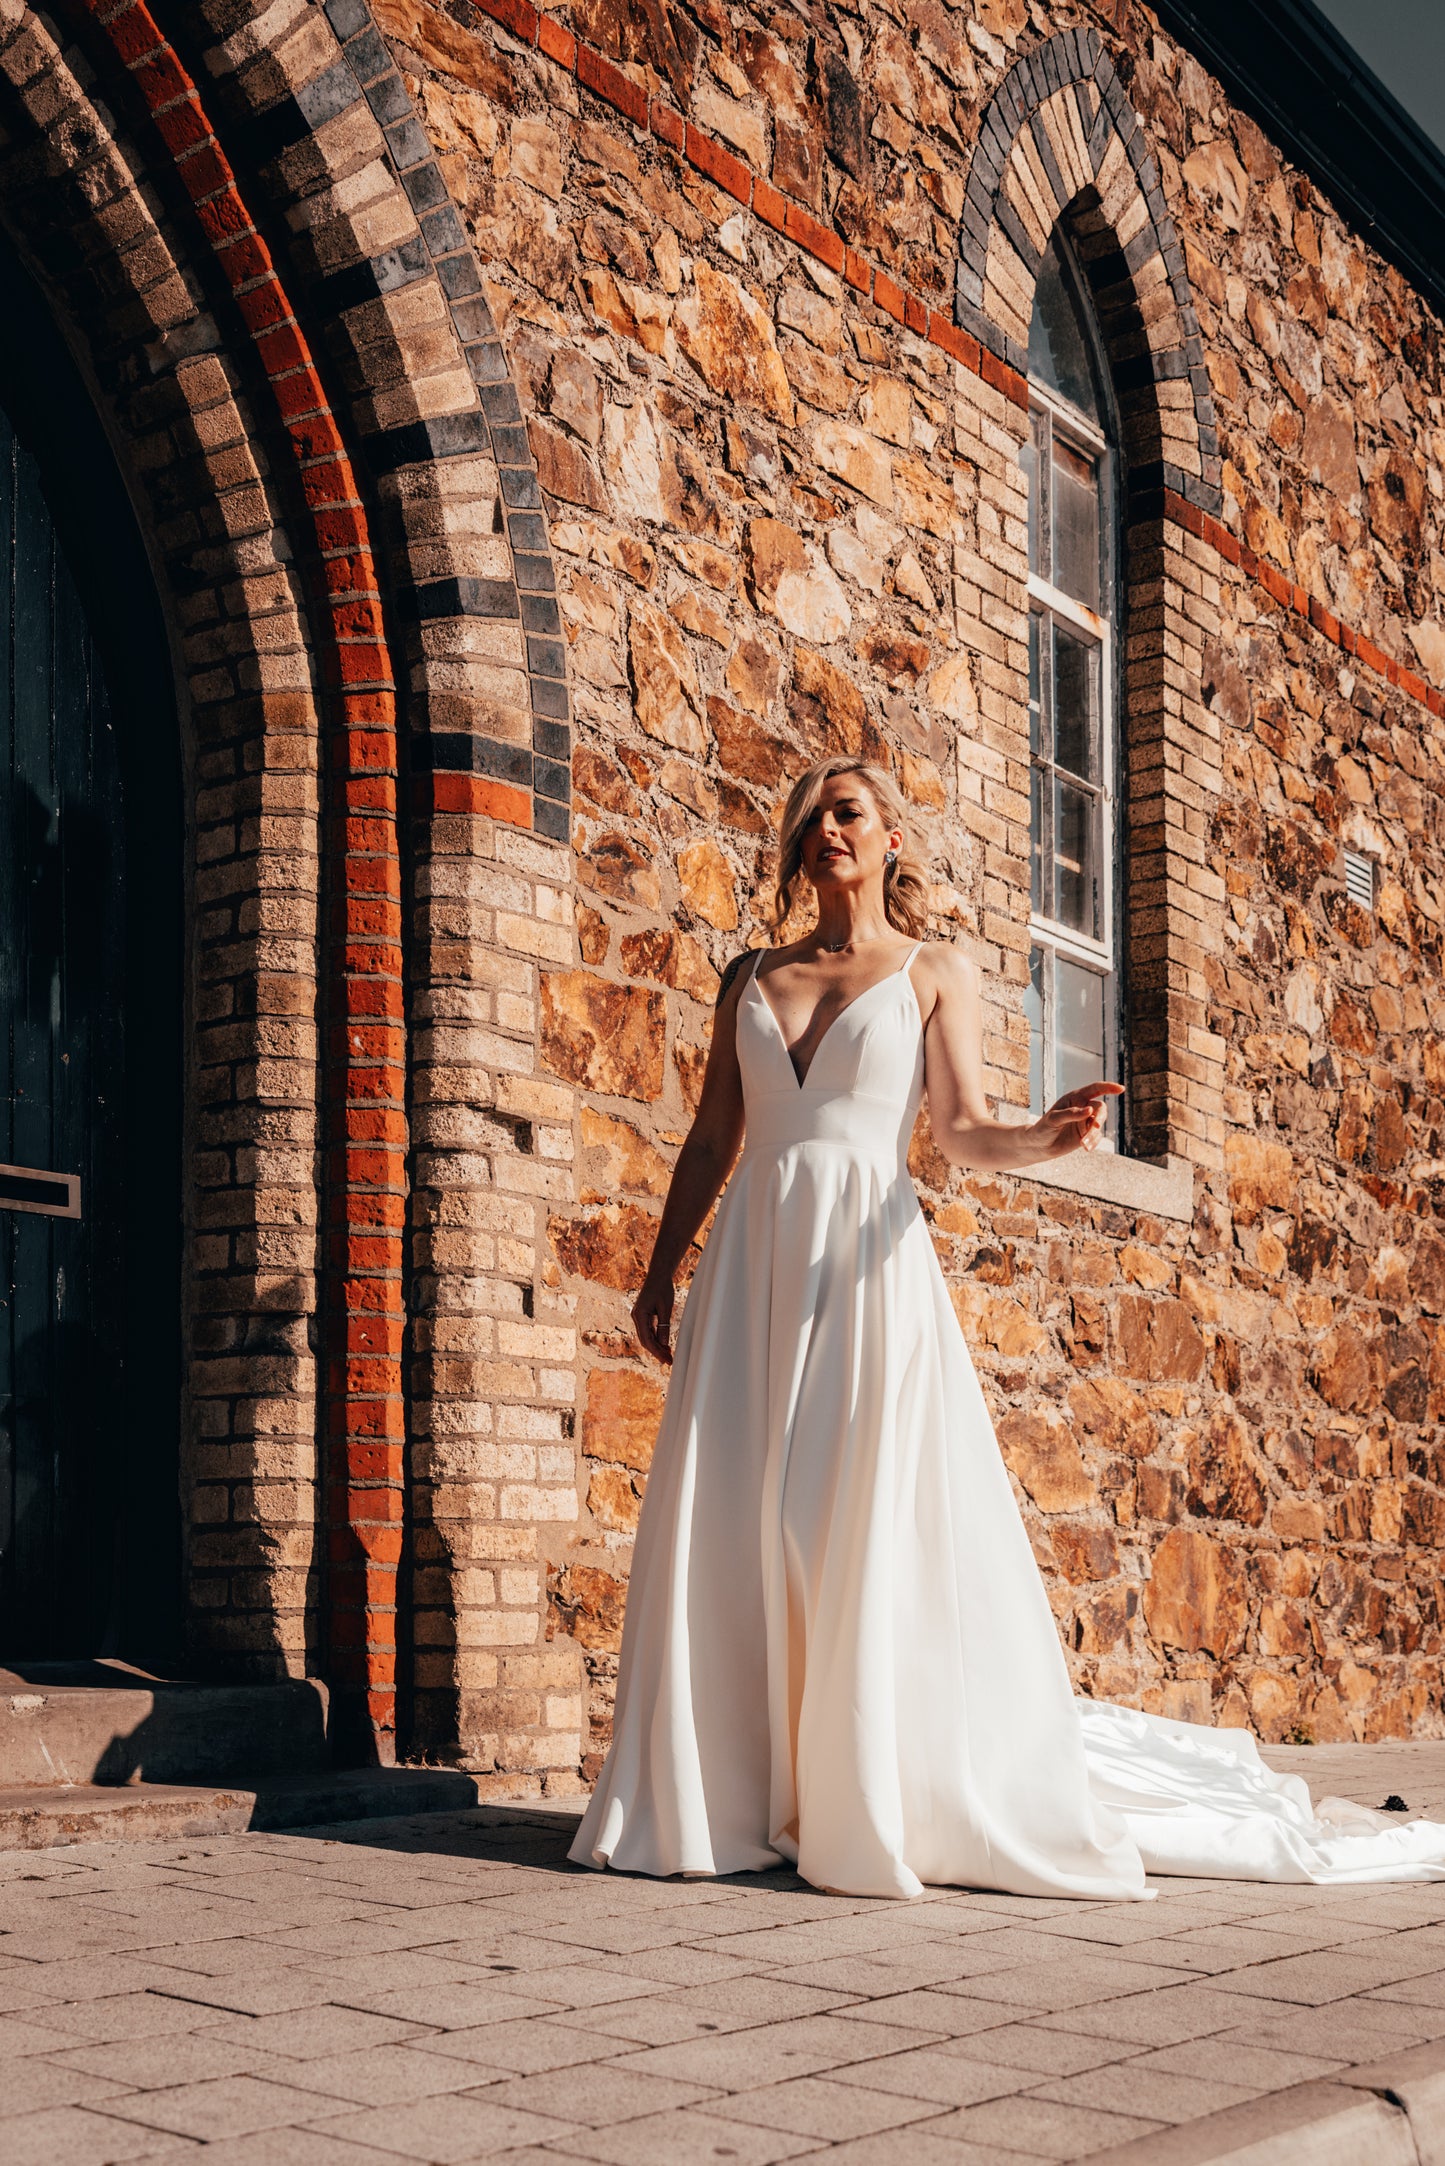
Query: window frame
x=1101, y=956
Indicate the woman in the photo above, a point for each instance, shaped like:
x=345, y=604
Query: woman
x=838, y=1650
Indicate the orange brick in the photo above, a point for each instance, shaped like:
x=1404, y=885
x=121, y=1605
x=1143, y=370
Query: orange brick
x=718, y=164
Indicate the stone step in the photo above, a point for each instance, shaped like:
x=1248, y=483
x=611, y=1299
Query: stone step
x=44, y=1819
x=105, y=1722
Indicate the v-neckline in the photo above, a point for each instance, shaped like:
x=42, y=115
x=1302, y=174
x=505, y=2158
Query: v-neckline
x=890, y=977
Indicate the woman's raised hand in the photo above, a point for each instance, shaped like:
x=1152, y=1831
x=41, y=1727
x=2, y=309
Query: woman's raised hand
x=1074, y=1122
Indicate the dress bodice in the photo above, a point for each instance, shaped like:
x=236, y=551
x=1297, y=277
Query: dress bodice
x=863, y=1086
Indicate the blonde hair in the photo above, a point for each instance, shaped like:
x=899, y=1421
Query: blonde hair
x=905, y=883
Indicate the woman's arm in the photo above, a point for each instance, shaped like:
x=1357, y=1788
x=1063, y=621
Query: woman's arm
x=963, y=1128
x=703, y=1164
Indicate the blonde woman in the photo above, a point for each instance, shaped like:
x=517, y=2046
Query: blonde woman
x=838, y=1650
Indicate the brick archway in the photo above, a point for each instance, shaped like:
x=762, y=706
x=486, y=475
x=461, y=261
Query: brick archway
x=80, y=199
x=383, y=267
x=1060, y=143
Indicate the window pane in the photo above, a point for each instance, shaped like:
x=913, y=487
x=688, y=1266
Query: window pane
x=1076, y=705
x=1075, y=882
x=1078, y=1025
x=1058, y=348
x=1038, y=784
x=1034, y=1010
x=1075, y=524
x=1035, y=689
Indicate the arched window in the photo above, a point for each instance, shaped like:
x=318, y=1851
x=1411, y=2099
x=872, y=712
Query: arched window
x=1073, y=999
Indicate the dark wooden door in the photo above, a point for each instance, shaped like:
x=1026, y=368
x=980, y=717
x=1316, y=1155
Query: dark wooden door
x=90, y=1011
x=62, y=1093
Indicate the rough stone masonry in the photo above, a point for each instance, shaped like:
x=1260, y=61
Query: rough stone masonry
x=786, y=521
x=680, y=351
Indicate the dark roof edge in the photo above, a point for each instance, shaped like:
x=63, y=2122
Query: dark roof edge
x=1288, y=67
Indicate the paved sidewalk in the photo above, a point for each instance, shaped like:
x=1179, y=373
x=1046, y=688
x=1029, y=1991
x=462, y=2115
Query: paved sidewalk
x=446, y=1988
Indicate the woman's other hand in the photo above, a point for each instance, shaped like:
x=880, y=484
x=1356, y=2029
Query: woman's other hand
x=652, y=1319
x=1076, y=1121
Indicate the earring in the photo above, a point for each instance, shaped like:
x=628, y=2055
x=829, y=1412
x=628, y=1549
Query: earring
x=890, y=859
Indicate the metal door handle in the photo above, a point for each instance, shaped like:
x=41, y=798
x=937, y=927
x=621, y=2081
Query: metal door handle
x=27, y=1188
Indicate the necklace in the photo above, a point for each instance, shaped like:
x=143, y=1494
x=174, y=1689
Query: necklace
x=835, y=947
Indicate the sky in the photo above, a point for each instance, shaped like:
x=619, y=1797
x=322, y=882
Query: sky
x=1403, y=41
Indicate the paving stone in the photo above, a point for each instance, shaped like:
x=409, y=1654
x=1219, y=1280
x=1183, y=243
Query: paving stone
x=811, y=2106
x=767, y=1999
x=583, y=1985
x=28, y=2085
x=1354, y=2030
x=1047, y=2052
x=19, y=2038
x=1154, y=2094
x=1172, y=1954
x=239, y=1955
x=742, y=2058
x=70, y=2136
x=690, y=1966
x=688, y=2137
x=264, y=1994
x=658, y=2022
x=304, y=2034
x=1254, y=1942
x=916, y=2146
x=132, y=2015
x=1160, y=2019
x=443, y=2131
x=596, y=2093
x=453, y=2007
x=393, y=1971
x=381, y=2076
x=1045, y=2129
x=940, y=2073
x=618, y=1936
x=1254, y=2068
x=1119, y=1925
x=1327, y=1977
x=1426, y=1992
x=902, y=1970
x=222, y=2106
x=1079, y=1982
x=301, y=2147
x=98, y=1977
x=522, y=2049
x=152, y=2064
x=943, y=2014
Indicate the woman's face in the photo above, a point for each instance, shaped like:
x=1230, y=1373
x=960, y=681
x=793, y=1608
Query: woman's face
x=845, y=841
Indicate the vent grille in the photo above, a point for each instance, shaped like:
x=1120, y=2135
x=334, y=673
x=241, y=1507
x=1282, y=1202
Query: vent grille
x=1360, y=879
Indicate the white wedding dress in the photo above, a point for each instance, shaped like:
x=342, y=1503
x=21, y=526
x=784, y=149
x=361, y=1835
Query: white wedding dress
x=838, y=1650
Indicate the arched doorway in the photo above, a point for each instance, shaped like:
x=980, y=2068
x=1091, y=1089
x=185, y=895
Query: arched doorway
x=90, y=1032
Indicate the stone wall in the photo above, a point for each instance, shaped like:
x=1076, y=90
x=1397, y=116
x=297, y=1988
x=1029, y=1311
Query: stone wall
x=788, y=514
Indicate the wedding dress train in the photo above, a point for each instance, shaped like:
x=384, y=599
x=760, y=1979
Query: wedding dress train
x=838, y=1650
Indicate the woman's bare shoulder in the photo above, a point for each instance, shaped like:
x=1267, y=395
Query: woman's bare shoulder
x=947, y=969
